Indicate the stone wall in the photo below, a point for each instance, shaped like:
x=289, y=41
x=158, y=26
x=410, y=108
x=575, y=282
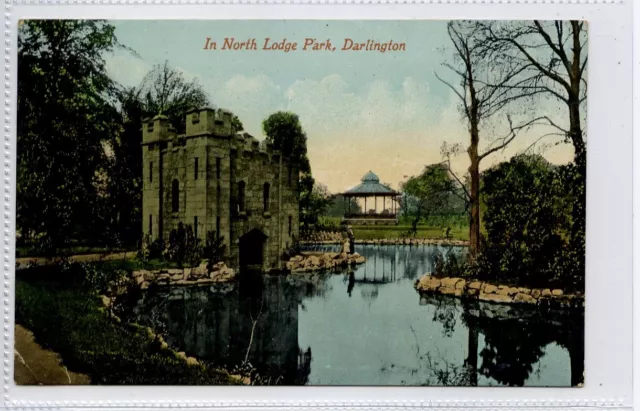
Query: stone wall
x=310, y=262
x=196, y=178
x=200, y=275
x=478, y=290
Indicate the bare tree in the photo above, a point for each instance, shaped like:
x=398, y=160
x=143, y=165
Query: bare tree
x=481, y=97
x=548, y=59
x=165, y=90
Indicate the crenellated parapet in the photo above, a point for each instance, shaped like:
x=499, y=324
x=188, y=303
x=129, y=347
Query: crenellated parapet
x=250, y=146
x=207, y=120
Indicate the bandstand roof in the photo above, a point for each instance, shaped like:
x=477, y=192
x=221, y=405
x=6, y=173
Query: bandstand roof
x=370, y=185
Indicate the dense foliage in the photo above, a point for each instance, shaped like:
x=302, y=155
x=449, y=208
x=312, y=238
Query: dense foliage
x=284, y=131
x=65, y=114
x=79, y=154
x=528, y=221
x=340, y=205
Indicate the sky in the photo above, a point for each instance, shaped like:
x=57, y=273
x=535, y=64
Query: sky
x=361, y=110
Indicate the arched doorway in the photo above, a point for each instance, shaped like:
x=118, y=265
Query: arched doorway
x=252, y=250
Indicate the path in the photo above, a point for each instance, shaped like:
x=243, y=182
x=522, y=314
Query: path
x=34, y=365
x=123, y=255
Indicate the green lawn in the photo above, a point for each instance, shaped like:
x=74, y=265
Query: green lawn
x=398, y=231
x=25, y=251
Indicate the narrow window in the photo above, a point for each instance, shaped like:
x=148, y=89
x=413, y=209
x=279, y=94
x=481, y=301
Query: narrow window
x=150, y=225
x=218, y=227
x=290, y=176
x=195, y=226
x=195, y=168
x=151, y=171
x=218, y=168
x=175, y=196
x=265, y=196
x=241, y=187
x=290, y=225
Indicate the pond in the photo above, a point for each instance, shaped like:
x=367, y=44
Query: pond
x=367, y=326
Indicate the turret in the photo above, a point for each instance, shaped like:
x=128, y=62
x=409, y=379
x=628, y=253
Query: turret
x=156, y=129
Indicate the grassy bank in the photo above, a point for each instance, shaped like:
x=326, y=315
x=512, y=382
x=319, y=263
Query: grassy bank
x=30, y=251
x=67, y=317
x=397, y=231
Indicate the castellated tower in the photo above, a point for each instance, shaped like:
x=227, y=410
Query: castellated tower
x=216, y=181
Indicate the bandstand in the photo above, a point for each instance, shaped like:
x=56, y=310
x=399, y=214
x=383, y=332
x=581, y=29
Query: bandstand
x=380, y=202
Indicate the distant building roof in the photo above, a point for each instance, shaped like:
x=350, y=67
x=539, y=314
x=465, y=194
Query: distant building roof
x=370, y=185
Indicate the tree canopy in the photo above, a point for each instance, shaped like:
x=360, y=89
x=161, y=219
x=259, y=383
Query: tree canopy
x=284, y=131
x=528, y=222
x=65, y=114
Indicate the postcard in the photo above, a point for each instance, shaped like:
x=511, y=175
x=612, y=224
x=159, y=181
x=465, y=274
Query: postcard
x=301, y=202
x=349, y=213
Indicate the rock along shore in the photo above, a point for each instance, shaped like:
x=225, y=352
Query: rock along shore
x=482, y=291
x=309, y=261
x=199, y=275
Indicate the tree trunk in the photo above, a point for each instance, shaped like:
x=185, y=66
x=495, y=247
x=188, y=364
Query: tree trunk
x=577, y=239
x=578, y=229
x=474, y=194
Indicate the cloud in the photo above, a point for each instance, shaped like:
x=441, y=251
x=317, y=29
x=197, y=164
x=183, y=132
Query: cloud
x=126, y=69
x=252, y=99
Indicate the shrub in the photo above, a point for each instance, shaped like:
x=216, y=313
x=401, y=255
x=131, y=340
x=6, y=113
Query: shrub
x=214, y=249
x=183, y=246
x=528, y=225
x=451, y=264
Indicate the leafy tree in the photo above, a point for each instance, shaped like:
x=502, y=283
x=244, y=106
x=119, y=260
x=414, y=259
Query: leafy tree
x=528, y=223
x=340, y=205
x=314, y=200
x=65, y=113
x=284, y=131
x=427, y=194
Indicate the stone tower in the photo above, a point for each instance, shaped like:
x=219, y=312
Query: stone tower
x=216, y=181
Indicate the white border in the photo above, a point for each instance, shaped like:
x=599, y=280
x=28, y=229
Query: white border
x=608, y=329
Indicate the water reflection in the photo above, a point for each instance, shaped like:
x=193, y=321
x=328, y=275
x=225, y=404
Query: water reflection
x=255, y=324
x=368, y=326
